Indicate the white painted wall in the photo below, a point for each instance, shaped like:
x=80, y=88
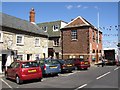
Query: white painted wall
x=63, y=24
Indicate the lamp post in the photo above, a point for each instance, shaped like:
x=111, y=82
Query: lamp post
x=97, y=55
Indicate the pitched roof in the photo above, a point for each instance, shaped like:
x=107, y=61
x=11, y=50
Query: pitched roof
x=77, y=22
x=50, y=27
x=20, y=24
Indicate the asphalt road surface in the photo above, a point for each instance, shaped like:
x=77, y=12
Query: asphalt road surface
x=94, y=77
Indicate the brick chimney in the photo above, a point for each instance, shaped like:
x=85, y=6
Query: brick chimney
x=32, y=15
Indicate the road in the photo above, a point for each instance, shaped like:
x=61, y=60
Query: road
x=95, y=77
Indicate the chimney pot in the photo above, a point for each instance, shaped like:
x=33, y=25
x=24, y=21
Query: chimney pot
x=32, y=15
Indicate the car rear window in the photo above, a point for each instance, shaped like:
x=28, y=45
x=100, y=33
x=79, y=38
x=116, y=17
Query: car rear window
x=55, y=62
x=51, y=62
x=69, y=61
x=30, y=64
x=80, y=59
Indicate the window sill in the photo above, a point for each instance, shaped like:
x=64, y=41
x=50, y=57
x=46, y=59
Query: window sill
x=56, y=45
x=56, y=30
x=19, y=44
x=74, y=40
x=1, y=41
x=37, y=46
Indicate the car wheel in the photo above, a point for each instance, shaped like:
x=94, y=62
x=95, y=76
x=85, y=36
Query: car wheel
x=86, y=68
x=6, y=75
x=40, y=79
x=56, y=74
x=18, y=81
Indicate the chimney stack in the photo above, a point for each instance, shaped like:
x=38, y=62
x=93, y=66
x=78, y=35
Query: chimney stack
x=32, y=15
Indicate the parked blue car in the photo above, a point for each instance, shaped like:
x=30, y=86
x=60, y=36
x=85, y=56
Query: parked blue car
x=49, y=66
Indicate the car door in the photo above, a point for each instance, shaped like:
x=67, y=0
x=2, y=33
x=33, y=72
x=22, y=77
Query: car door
x=10, y=69
x=15, y=69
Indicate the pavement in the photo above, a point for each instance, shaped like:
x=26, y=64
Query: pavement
x=1, y=75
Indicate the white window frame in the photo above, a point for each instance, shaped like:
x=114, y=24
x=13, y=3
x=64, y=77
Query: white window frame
x=74, y=34
x=1, y=36
x=22, y=42
x=54, y=27
x=21, y=55
x=44, y=28
x=58, y=44
x=38, y=43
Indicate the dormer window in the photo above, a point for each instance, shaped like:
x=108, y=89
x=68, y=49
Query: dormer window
x=55, y=27
x=44, y=28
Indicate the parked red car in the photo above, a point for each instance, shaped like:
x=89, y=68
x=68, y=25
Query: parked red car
x=23, y=70
x=80, y=63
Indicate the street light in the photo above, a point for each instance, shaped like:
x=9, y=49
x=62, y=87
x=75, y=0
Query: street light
x=97, y=56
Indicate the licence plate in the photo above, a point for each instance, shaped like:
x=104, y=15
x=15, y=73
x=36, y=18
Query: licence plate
x=31, y=71
x=86, y=62
x=53, y=67
x=69, y=65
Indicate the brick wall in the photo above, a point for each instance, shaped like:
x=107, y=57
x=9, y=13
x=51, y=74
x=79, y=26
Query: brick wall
x=81, y=46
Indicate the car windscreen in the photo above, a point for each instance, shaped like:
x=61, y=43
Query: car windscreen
x=48, y=62
x=68, y=61
x=61, y=61
x=55, y=62
x=29, y=64
x=51, y=62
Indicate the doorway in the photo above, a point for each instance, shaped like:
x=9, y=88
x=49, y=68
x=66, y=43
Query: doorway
x=4, y=59
x=29, y=56
x=57, y=55
x=50, y=52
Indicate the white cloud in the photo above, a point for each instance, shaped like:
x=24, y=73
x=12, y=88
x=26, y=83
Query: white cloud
x=69, y=7
x=96, y=7
x=78, y=6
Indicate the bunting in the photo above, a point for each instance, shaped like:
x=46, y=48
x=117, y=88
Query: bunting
x=110, y=28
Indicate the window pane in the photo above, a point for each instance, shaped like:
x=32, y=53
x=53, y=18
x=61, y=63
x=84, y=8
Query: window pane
x=20, y=57
x=55, y=27
x=36, y=42
x=44, y=28
x=74, y=34
x=30, y=64
x=19, y=39
x=56, y=42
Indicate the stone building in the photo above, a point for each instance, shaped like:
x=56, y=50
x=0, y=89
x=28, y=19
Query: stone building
x=53, y=29
x=80, y=39
x=21, y=39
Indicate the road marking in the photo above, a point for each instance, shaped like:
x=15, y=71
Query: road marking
x=103, y=75
x=67, y=74
x=116, y=68
x=6, y=83
x=81, y=87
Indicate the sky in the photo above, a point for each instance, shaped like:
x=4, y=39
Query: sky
x=52, y=11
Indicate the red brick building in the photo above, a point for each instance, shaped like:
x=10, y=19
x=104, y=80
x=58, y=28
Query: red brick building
x=80, y=39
